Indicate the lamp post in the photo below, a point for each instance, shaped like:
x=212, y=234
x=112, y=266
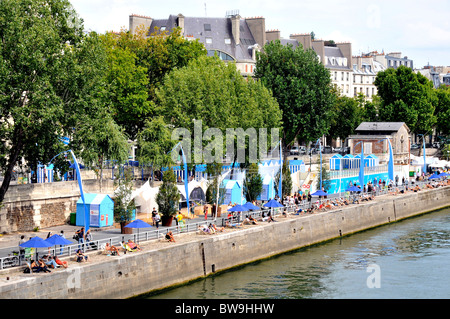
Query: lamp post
x=185, y=174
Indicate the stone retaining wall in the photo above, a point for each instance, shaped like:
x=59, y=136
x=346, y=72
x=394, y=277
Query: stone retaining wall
x=131, y=275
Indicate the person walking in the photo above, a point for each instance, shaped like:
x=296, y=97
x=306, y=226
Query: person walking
x=157, y=219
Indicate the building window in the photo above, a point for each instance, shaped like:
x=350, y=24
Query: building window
x=207, y=27
x=342, y=76
x=335, y=76
x=208, y=40
x=227, y=41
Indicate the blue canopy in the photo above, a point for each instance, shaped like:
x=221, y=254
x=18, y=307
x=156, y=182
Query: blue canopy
x=58, y=240
x=273, y=203
x=250, y=206
x=238, y=208
x=434, y=176
x=137, y=223
x=443, y=174
x=36, y=242
x=319, y=193
x=353, y=189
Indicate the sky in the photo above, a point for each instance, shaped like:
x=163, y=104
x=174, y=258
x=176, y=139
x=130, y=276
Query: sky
x=418, y=29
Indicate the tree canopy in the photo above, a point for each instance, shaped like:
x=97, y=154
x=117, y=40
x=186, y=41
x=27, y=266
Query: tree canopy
x=302, y=88
x=51, y=85
x=407, y=97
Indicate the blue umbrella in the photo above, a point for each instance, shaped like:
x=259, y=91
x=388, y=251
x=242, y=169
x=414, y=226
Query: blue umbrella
x=250, y=206
x=58, y=240
x=444, y=174
x=36, y=242
x=137, y=223
x=238, y=208
x=273, y=203
x=319, y=193
x=353, y=189
x=434, y=176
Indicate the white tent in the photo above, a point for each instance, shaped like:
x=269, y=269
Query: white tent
x=145, y=198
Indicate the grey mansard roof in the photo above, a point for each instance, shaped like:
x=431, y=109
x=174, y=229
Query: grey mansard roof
x=217, y=30
x=380, y=126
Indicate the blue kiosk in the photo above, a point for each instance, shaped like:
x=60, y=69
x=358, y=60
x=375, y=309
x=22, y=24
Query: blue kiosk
x=101, y=210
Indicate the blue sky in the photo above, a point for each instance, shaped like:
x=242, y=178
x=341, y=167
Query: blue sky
x=417, y=29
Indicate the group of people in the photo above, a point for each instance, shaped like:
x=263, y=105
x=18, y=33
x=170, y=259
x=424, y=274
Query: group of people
x=209, y=229
x=44, y=264
x=126, y=246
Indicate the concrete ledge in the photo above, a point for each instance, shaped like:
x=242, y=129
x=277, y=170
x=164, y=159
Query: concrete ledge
x=130, y=275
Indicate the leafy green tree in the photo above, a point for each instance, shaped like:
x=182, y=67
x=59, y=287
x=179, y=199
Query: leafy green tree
x=253, y=183
x=214, y=92
x=302, y=88
x=128, y=86
x=158, y=54
x=51, y=85
x=443, y=110
x=168, y=196
x=124, y=206
x=406, y=97
x=346, y=118
x=326, y=183
x=286, y=181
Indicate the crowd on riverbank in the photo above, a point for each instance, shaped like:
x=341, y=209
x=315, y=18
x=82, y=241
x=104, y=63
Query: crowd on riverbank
x=253, y=219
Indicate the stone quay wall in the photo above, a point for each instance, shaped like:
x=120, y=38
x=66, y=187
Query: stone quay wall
x=44, y=205
x=134, y=274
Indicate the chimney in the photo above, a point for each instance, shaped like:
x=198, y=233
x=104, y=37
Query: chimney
x=235, y=24
x=257, y=27
x=273, y=35
x=304, y=39
x=346, y=49
x=181, y=23
x=136, y=20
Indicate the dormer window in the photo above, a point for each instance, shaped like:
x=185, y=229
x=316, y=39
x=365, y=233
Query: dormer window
x=207, y=27
x=227, y=41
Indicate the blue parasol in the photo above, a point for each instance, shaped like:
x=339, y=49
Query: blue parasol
x=138, y=223
x=238, y=208
x=319, y=193
x=58, y=240
x=273, y=203
x=434, y=176
x=35, y=242
x=250, y=206
x=353, y=189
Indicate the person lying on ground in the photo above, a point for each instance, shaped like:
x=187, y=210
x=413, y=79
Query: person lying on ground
x=65, y=264
x=80, y=257
x=133, y=245
x=111, y=249
x=220, y=229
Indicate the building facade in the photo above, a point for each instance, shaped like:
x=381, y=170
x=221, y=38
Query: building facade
x=232, y=38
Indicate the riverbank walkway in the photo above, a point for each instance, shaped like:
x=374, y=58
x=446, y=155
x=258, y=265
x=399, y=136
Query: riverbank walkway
x=113, y=236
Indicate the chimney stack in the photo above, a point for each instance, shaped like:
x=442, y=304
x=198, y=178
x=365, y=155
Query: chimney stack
x=181, y=23
x=273, y=35
x=136, y=20
x=235, y=24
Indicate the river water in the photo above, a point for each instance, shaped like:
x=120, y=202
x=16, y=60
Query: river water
x=408, y=259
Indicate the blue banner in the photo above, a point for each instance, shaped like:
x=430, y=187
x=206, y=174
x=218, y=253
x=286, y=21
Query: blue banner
x=361, y=167
x=86, y=210
x=280, y=186
x=391, y=163
x=424, y=157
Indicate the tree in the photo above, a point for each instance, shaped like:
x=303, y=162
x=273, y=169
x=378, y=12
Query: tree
x=137, y=54
x=168, y=197
x=214, y=92
x=286, y=181
x=326, y=184
x=406, y=97
x=302, y=88
x=124, y=206
x=51, y=84
x=442, y=111
x=346, y=117
x=128, y=86
x=253, y=183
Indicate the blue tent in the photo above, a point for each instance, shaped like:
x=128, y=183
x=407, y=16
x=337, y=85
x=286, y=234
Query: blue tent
x=101, y=210
x=336, y=161
x=233, y=192
x=349, y=161
x=268, y=190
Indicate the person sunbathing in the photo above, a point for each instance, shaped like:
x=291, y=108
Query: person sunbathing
x=133, y=245
x=110, y=249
